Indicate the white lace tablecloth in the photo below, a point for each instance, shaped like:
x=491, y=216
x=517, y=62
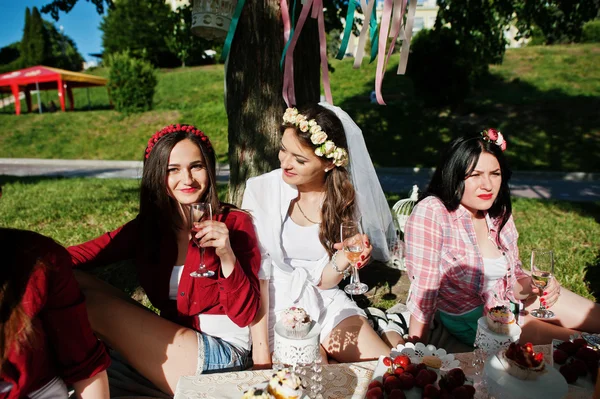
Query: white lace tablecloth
x=340, y=381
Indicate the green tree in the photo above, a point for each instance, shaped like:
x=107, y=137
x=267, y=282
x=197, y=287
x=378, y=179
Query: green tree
x=24, y=46
x=63, y=50
x=140, y=27
x=56, y=6
x=37, y=44
x=559, y=21
x=188, y=48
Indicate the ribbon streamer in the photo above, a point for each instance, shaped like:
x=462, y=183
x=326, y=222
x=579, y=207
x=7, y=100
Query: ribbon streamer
x=367, y=8
x=347, y=30
x=410, y=17
x=318, y=7
x=383, y=37
x=289, y=94
x=232, y=27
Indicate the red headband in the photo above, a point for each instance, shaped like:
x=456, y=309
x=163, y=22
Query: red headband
x=174, y=129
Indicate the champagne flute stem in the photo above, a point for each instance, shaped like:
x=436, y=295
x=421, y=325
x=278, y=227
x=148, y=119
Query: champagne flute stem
x=201, y=266
x=355, y=278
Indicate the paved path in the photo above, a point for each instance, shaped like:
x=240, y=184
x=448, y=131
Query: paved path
x=546, y=185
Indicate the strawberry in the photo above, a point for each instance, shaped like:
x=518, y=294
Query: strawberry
x=528, y=347
x=580, y=343
x=375, y=384
x=402, y=361
x=560, y=356
x=398, y=371
x=538, y=358
x=387, y=361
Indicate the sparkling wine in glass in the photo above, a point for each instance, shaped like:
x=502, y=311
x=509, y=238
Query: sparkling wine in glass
x=542, y=270
x=199, y=212
x=352, y=241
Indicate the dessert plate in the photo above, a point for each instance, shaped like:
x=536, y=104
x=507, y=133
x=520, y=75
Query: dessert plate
x=417, y=351
x=549, y=385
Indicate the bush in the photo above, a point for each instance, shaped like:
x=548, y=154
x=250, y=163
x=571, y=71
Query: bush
x=131, y=83
x=591, y=32
x=442, y=69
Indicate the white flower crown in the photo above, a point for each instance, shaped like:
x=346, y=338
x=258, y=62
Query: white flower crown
x=317, y=136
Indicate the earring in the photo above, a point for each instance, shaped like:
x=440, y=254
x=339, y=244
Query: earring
x=326, y=170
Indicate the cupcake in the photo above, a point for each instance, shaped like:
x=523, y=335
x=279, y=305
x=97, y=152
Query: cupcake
x=296, y=322
x=285, y=385
x=499, y=319
x=257, y=393
x=522, y=362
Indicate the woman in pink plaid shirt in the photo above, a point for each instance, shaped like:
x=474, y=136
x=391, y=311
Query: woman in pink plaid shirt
x=462, y=253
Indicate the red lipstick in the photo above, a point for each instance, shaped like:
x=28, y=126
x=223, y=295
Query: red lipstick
x=485, y=196
x=288, y=174
x=190, y=190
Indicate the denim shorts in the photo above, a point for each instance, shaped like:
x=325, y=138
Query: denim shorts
x=216, y=355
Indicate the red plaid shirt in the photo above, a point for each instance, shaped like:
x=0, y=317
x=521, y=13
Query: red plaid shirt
x=444, y=263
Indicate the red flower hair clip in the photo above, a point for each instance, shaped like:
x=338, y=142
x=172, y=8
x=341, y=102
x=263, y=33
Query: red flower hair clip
x=174, y=129
x=494, y=136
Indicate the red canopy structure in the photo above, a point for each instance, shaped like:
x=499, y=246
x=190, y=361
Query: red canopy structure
x=46, y=78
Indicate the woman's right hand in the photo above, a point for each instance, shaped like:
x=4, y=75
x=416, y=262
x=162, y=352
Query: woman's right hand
x=365, y=255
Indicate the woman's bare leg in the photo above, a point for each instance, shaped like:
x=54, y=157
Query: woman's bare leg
x=572, y=312
x=160, y=350
x=354, y=340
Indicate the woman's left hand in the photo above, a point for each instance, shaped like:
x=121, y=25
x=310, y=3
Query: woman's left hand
x=215, y=234
x=550, y=294
x=365, y=255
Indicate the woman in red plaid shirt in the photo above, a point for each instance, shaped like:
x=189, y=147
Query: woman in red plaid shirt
x=462, y=253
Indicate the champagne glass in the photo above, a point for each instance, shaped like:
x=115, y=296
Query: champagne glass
x=542, y=270
x=352, y=241
x=198, y=212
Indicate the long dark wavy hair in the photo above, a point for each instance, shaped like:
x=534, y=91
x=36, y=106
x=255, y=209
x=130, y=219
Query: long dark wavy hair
x=159, y=212
x=339, y=203
x=20, y=259
x=457, y=162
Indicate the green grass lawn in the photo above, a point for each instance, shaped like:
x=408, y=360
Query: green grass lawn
x=75, y=210
x=544, y=99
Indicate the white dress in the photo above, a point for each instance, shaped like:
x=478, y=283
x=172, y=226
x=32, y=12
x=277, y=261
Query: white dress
x=293, y=258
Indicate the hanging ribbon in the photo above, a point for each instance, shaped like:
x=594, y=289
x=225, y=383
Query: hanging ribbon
x=374, y=29
x=232, y=27
x=360, y=51
x=410, y=18
x=318, y=7
x=383, y=37
x=347, y=30
x=289, y=94
x=286, y=15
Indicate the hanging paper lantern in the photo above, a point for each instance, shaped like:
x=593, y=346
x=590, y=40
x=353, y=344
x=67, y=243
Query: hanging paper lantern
x=211, y=18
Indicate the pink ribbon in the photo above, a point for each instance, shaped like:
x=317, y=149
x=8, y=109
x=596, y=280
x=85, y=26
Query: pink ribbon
x=289, y=94
x=287, y=25
x=381, y=59
x=410, y=18
x=323, y=47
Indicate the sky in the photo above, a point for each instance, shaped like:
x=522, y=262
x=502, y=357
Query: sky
x=80, y=24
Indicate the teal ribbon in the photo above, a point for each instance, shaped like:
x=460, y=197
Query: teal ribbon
x=347, y=29
x=292, y=28
x=374, y=33
x=232, y=27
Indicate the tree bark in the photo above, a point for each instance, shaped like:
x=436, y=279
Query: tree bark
x=254, y=83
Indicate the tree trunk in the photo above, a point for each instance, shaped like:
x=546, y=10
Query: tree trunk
x=254, y=84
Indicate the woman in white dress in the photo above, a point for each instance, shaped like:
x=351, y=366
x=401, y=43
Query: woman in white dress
x=297, y=212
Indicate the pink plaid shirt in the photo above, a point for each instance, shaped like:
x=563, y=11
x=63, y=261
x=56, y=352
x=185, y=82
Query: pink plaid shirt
x=444, y=263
